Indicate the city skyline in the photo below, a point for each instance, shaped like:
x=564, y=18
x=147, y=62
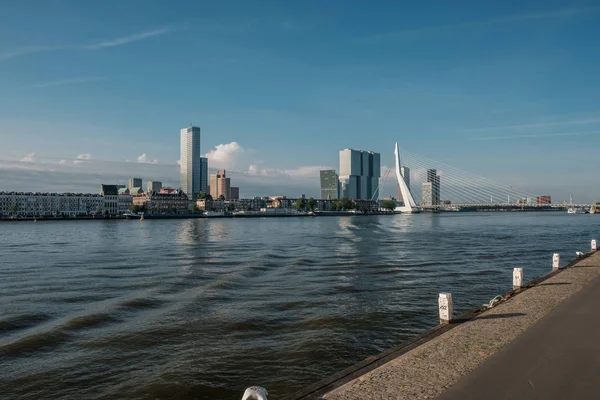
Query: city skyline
x=499, y=90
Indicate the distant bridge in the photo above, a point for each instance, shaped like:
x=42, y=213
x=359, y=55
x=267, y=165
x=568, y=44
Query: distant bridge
x=426, y=185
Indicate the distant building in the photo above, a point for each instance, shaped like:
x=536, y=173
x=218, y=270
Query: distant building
x=330, y=184
x=163, y=202
x=427, y=198
x=255, y=204
x=153, y=186
x=522, y=201
x=134, y=182
x=220, y=185
x=124, y=202
x=235, y=193
x=27, y=204
x=111, y=199
x=204, y=175
x=434, y=179
x=136, y=190
x=190, y=166
x=359, y=174
x=543, y=200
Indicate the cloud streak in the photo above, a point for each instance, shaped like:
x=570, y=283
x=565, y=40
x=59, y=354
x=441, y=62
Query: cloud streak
x=120, y=41
x=127, y=39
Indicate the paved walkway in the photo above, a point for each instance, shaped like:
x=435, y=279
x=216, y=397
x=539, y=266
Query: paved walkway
x=547, y=343
x=557, y=358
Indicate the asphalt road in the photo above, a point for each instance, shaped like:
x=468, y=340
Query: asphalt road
x=556, y=358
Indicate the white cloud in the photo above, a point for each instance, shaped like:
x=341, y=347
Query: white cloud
x=29, y=158
x=225, y=156
x=82, y=157
x=63, y=162
x=308, y=172
x=143, y=159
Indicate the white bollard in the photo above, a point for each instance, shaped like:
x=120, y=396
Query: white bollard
x=445, y=307
x=556, y=261
x=517, y=278
x=594, y=248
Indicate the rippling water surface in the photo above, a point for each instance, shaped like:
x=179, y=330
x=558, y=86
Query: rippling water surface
x=205, y=308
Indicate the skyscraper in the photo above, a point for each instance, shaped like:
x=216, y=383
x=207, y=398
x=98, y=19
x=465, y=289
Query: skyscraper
x=204, y=175
x=134, y=183
x=434, y=179
x=235, y=193
x=359, y=174
x=190, y=167
x=427, y=199
x=220, y=185
x=329, y=184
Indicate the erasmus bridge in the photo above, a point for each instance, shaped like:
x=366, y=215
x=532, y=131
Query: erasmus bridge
x=428, y=185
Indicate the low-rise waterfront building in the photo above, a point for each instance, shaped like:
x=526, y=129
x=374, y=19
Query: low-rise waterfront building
x=162, y=202
x=254, y=204
x=211, y=205
x=111, y=199
x=29, y=204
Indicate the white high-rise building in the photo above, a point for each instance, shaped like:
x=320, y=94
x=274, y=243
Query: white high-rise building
x=359, y=174
x=191, y=165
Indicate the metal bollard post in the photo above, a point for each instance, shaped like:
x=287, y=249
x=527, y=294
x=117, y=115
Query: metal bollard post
x=445, y=307
x=517, y=278
x=594, y=248
x=556, y=261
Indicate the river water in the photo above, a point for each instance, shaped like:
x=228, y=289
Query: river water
x=205, y=308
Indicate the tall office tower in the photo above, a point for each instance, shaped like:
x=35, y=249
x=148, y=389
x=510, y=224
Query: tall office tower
x=190, y=167
x=329, y=184
x=220, y=185
x=204, y=175
x=427, y=194
x=134, y=183
x=235, y=193
x=406, y=176
x=359, y=174
x=434, y=179
x=153, y=186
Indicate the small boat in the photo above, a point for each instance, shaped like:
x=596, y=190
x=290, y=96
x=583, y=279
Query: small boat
x=142, y=217
x=574, y=210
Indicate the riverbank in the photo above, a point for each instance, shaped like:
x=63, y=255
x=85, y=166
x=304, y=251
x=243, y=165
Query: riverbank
x=428, y=365
x=195, y=216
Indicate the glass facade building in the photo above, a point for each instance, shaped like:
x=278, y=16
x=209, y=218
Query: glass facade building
x=329, y=185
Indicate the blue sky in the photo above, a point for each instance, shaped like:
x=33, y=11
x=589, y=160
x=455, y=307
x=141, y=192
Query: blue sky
x=506, y=89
